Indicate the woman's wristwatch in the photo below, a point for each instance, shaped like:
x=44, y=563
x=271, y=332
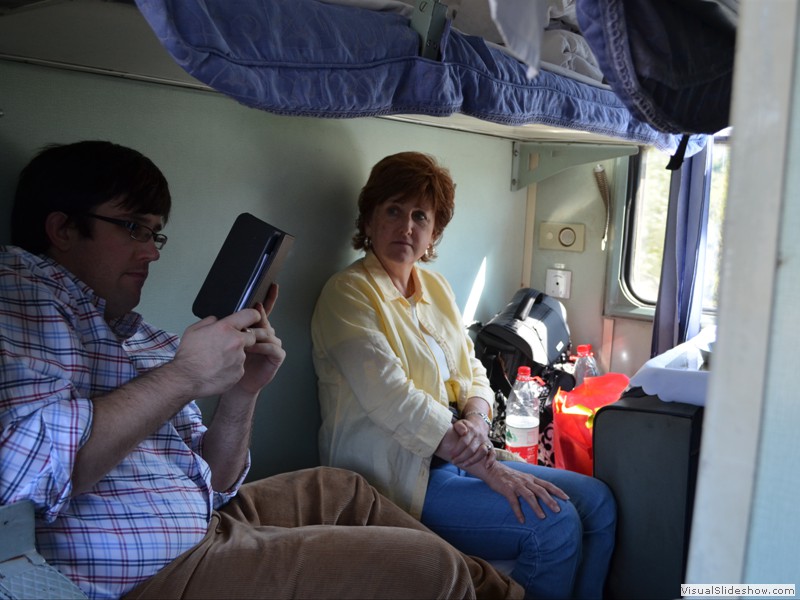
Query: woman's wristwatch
x=483, y=416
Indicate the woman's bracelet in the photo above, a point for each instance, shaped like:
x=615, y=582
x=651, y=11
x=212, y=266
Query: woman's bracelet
x=483, y=416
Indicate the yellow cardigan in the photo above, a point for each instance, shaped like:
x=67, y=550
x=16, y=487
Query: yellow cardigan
x=383, y=401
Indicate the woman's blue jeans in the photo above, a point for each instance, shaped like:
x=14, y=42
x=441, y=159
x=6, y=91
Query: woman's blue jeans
x=564, y=555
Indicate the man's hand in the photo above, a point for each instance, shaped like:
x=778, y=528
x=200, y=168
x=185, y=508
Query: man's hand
x=265, y=355
x=228, y=436
x=216, y=354
x=210, y=360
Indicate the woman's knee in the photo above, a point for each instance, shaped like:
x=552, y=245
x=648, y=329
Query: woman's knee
x=592, y=497
x=567, y=527
x=559, y=534
x=550, y=556
x=599, y=508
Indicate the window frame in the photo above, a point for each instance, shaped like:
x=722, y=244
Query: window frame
x=619, y=299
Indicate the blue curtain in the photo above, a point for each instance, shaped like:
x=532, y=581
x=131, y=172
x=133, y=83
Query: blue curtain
x=680, y=295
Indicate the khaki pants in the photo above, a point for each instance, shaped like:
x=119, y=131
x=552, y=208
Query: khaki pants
x=321, y=533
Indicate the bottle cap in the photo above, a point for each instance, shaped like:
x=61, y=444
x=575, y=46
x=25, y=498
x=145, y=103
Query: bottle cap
x=584, y=350
x=523, y=372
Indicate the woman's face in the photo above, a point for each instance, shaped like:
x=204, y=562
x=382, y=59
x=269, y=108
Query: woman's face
x=401, y=230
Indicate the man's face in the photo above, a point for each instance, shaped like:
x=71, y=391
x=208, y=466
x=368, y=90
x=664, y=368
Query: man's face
x=112, y=263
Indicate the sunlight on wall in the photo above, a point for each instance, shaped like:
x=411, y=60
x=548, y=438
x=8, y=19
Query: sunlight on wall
x=475, y=295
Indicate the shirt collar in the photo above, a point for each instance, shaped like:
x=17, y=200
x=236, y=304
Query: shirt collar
x=123, y=327
x=385, y=285
x=126, y=326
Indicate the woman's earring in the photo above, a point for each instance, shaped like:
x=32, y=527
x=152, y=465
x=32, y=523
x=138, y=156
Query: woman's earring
x=367, y=243
x=430, y=252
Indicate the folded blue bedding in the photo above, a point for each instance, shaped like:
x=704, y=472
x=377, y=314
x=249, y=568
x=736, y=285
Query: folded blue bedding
x=311, y=58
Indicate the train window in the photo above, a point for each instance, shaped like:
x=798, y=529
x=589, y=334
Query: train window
x=647, y=221
x=637, y=270
x=719, y=196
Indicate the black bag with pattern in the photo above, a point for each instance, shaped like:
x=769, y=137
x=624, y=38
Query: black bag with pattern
x=531, y=331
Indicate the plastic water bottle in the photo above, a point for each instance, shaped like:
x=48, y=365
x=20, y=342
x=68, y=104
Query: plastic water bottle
x=585, y=366
x=522, y=416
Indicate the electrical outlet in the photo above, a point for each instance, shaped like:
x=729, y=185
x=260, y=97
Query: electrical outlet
x=562, y=236
x=558, y=283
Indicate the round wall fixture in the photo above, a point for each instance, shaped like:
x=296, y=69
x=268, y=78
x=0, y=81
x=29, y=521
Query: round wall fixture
x=562, y=236
x=567, y=236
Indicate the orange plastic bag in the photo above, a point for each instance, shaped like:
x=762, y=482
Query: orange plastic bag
x=573, y=419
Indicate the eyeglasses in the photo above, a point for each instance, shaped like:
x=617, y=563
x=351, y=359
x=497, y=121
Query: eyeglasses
x=139, y=232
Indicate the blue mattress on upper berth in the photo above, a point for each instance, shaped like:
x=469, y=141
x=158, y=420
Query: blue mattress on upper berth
x=312, y=58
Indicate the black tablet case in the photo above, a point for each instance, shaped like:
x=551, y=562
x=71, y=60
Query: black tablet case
x=244, y=269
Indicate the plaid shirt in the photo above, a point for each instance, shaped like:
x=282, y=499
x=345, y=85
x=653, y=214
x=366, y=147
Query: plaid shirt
x=56, y=353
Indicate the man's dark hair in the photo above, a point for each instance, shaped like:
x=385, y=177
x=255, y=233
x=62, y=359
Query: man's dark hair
x=74, y=179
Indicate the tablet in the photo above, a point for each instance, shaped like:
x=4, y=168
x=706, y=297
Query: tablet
x=244, y=269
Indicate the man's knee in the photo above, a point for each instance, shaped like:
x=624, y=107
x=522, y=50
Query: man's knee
x=322, y=478
x=439, y=570
x=339, y=474
x=385, y=562
x=345, y=482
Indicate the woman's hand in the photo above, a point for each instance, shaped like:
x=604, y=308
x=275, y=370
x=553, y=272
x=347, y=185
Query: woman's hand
x=513, y=485
x=472, y=446
x=467, y=443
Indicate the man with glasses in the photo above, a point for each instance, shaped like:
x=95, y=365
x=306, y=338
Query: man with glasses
x=139, y=232
x=134, y=495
